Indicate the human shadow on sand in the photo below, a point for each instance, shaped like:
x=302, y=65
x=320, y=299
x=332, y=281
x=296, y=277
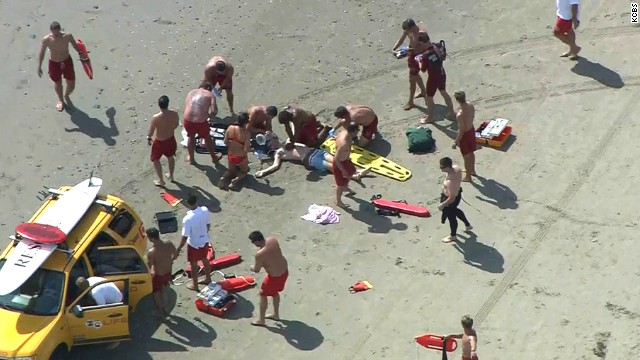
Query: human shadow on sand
x=479, y=255
x=243, y=309
x=495, y=193
x=192, y=334
x=379, y=146
x=204, y=197
x=92, y=127
x=298, y=334
x=598, y=72
x=366, y=213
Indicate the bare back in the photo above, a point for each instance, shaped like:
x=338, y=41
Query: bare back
x=452, y=182
x=210, y=68
x=465, y=116
x=466, y=342
x=197, y=105
x=360, y=114
x=164, y=124
x=414, y=43
x=271, y=258
x=58, y=46
x=343, y=146
x=161, y=257
x=259, y=119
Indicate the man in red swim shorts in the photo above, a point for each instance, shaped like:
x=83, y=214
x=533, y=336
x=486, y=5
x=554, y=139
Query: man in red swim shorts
x=466, y=138
x=413, y=31
x=343, y=168
x=469, y=339
x=161, y=139
x=160, y=260
x=60, y=63
x=196, y=226
x=361, y=115
x=302, y=127
x=220, y=71
x=269, y=256
x=567, y=12
x=197, y=109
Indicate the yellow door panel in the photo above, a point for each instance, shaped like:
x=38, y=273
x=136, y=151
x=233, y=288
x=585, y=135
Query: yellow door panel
x=95, y=324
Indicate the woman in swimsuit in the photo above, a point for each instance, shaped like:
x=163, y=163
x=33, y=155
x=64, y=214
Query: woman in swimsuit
x=238, y=144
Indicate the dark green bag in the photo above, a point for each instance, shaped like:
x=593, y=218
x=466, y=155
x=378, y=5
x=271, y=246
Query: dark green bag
x=420, y=140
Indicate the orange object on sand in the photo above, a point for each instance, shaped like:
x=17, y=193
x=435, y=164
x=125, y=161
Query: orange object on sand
x=170, y=199
x=360, y=286
x=237, y=283
x=217, y=263
x=436, y=342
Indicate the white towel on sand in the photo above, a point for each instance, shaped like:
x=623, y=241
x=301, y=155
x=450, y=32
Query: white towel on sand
x=322, y=215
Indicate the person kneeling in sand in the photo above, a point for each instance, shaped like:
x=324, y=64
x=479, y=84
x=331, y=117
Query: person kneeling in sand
x=238, y=141
x=361, y=115
x=312, y=159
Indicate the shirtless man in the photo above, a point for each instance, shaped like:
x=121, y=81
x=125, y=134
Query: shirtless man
x=196, y=120
x=220, y=71
x=160, y=261
x=161, y=139
x=60, y=63
x=469, y=339
x=312, y=159
x=450, y=199
x=413, y=31
x=361, y=115
x=306, y=128
x=432, y=63
x=466, y=138
x=269, y=256
x=343, y=168
x=260, y=119
x=238, y=141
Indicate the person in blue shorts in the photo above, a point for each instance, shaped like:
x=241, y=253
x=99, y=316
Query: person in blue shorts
x=312, y=159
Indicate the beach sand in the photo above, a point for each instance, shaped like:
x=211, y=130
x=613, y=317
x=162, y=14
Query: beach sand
x=549, y=271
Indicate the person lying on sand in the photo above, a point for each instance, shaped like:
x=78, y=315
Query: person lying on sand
x=312, y=159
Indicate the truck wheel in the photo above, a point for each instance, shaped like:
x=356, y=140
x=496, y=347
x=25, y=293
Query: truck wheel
x=60, y=353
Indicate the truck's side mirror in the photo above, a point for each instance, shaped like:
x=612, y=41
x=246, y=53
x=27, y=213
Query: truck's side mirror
x=77, y=311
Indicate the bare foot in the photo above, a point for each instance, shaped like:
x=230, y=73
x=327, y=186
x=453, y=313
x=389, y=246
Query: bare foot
x=215, y=158
x=449, y=239
x=67, y=99
x=574, y=56
x=409, y=106
x=189, y=160
x=426, y=120
x=223, y=183
x=205, y=282
x=258, y=323
x=272, y=317
x=342, y=205
x=191, y=287
x=421, y=95
x=467, y=179
x=159, y=183
x=60, y=106
x=350, y=192
x=169, y=177
x=566, y=54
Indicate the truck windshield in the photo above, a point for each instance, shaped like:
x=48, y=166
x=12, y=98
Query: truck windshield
x=40, y=295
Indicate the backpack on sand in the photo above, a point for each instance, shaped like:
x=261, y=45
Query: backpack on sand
x=420, y=140
x=443, y=49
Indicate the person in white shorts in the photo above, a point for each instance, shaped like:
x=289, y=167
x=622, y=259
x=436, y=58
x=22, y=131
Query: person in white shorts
x=195, y=233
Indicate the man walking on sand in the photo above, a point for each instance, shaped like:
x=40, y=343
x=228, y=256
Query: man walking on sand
x=343, y=168
x=413, y=31
x=269, y=256
x=450, y=199
x=361, y=115
x=196, y=121
x=60, y=62
x=469, y=339
x=433, y=64
x=567, y=12
x=195, y=233
x=466, y=138
x=220, y=71
x=161, y=139
x=160, y=260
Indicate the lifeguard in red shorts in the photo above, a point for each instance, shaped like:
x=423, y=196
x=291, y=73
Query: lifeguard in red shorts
x=343, y=168
x=219, y=71
x=195, y=234
x=437, y=80
x=361, y=115
x=413, y=31
x=302, y=127
x=197, y=109
x=162, y=140
x=567, y=12
x=160, y=259
x=466, y=138
x=269, y=256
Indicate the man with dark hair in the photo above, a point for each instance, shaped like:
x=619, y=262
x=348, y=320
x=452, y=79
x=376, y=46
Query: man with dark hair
x=160, y=260
x=197, y=109
x=343, y=168
x=432, y=63
x=469, y=339
x=413, y=31
x=238, y=141
x=220, y=71
x=195, y=233
x=260, y=117
x=161, y=139
x=60, y=62
x=361, y=115
x=269, y=256
x=302, y=127
x=450, y=199
x=466, y=138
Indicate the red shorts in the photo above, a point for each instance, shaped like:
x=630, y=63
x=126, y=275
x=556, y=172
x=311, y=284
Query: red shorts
x=59, y=69
x=414, y=66
x=468, y=142
x=371, y=129
x=199, y=128
x=159, y=282
x=194, y=254
x=219, y=79
x=337, y=174
x=469, y=357
x=436, y=81
x=235, y=160
x=272, y=285
x=308, y=134
x=563, y=26
x=165, y=147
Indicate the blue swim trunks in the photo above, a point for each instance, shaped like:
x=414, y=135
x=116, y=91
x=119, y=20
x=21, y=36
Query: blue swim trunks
x=315, y=160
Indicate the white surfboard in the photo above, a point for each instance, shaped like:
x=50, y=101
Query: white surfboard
x=65, y=213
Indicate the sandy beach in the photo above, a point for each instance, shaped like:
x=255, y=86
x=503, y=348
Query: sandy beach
x=548, y=272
